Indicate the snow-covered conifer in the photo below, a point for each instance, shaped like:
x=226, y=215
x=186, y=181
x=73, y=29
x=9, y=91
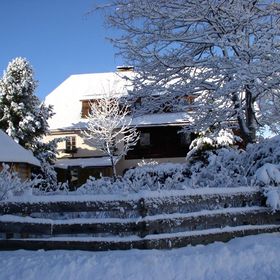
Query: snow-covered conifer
x=22, y=115
x=46, y=153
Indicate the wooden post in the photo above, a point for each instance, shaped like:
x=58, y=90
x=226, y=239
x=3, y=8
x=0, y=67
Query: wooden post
x=142, y=208
x=143, y=213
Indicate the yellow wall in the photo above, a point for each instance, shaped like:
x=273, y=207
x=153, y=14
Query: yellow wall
x=85, y=148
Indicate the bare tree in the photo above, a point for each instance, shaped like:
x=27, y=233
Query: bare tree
x=226, y=53
x=110, y=130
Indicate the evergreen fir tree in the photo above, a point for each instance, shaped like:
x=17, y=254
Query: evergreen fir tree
x=46, y=154
x=22, y=115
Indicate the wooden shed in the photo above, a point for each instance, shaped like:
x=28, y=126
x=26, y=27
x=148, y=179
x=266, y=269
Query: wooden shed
x=18, y=158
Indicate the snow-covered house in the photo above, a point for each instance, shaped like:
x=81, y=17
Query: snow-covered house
x=78, y=159
x=19, y=159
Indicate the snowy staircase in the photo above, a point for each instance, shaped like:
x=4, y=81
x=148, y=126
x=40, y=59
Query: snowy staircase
x=157, y=221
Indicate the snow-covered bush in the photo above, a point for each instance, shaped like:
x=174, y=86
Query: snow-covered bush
x=11, y=185
x=222, y=169
x=268, y=175
x=151, y=177
x=258, y=165
x=103, y=185
x=157, y=177
x=58, y=188
x=208, y=141
x=214, y=160
x=267, y=151
x=235, y=167
x=144, y=162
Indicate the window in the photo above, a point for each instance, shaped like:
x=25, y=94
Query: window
x=145, y=139
x=74, y=173
x=85, y=108
x=161, y=142
x=185, y=139
x=23, y=171
x=70, y=144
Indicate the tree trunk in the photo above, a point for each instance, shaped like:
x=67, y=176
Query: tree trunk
x=250, y=116
x=248, y=125
x=113, y=168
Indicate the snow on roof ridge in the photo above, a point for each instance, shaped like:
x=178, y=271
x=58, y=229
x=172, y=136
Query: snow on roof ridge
x=97, y=73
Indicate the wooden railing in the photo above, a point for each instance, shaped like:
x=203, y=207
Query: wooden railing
x=159, y=221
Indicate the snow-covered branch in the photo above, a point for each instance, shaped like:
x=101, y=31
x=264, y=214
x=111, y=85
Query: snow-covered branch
x=211, y=49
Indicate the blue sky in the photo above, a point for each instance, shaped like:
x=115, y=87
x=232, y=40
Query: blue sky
x=58, y=38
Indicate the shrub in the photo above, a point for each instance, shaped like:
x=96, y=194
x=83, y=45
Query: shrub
x=11, y=185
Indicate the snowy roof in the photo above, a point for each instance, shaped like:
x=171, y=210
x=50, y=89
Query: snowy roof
x=66, y=98
x=84, y=162
x=160, y=119
x=10, y=151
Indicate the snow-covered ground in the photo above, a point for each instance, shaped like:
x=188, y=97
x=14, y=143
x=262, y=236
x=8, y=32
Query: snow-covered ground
x=253, y=257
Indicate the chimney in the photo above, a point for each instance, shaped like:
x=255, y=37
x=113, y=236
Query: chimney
x=124, y=68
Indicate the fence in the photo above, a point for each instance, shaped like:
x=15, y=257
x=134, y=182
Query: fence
x=158, y=221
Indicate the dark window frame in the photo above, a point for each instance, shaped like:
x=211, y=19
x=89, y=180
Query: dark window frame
x=165, y=142
x=71, y=144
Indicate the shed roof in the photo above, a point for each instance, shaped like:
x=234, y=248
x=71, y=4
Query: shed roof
x=10, y=151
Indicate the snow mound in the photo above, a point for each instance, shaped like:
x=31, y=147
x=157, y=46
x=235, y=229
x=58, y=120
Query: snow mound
x=250, y=258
